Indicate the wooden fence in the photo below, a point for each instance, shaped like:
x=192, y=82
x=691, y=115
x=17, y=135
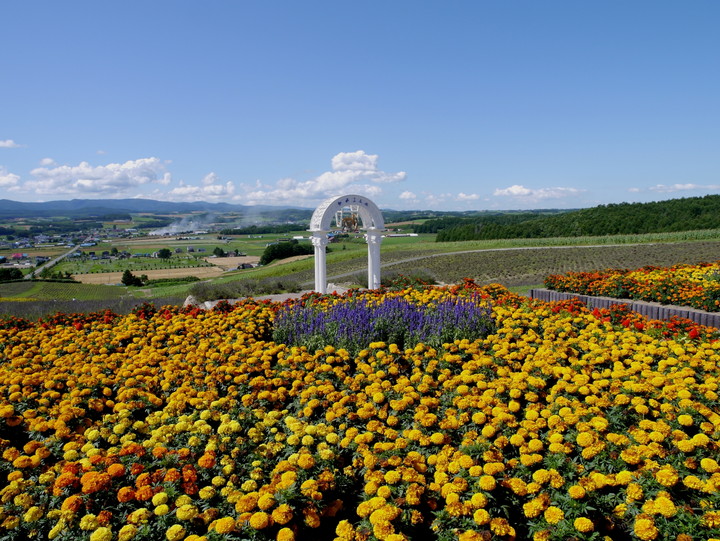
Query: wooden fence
x=651, y=310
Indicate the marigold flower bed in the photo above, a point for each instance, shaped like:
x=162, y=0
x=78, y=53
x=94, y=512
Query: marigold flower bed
x=175, y=424
x=697, y=286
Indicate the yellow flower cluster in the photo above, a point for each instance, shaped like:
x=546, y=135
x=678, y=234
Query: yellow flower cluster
x=189, y=425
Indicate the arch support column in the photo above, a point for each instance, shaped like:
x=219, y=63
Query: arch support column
x=374, y=238
x=320, y=242
x=372, y=221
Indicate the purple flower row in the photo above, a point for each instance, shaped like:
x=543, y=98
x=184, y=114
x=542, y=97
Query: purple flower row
x=355, y=323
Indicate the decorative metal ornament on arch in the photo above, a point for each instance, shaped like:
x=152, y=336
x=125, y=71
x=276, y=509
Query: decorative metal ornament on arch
x=372, y=222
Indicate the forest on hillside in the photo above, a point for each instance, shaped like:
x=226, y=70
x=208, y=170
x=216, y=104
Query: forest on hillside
x=687, y=214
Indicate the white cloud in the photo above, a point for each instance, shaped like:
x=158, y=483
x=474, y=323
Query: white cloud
x=47, y=162
x=682, y=187
x=349, y=170
x=9, y=143
x=105, y=180
x=527, y=194
x=408, y=196
x=513, y=191
x=8, y=180
x=467, y=196
x=210, y=189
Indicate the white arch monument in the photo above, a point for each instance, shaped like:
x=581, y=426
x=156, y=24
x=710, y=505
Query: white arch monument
x=373, y=224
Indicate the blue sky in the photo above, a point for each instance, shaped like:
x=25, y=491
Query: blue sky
x=452, y=105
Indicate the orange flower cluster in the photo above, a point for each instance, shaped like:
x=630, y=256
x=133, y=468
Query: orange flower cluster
x=697, y=286
x=191, y=425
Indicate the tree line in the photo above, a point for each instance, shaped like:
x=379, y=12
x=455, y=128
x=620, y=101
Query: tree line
x=686, y=214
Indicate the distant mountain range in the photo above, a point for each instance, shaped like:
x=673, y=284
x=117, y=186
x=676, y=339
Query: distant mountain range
x=86, y=208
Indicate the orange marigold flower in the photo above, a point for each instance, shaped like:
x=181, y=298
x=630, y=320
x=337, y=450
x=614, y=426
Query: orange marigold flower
x=282, y=514
x=207, y=460
x=126, y=494
x=116, y=470
x=172, y=475
x=72, y=503
x=144, y=493
x=95, y=482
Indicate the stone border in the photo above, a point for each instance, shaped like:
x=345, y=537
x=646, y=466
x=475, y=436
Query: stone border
x=651, y=310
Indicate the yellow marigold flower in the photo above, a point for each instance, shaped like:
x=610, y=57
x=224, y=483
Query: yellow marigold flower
x=487, y=482
x=160, y=498
x=175, y=533
x=534, y=507
x=101, y=534
x=500, y=526
x=481, y=517
x=665, y=506
x=692, y=481
x=392, y=477
x=633, y=492
x=711, y=519
x=127, y=532
x=645, y=528
x=285, y=534
x=187, y=512
x=583, y=524
x=33, y=514
x=553, y=514
x=306, y=461
x=161, y=510
x=685, y=420
x=224, y=525
x=89, y=522
x=207, y=492
x=710, y=465
x=259, y=520
x=585, y=439
x=667, y=476
x=468, y=535
x=576, y=492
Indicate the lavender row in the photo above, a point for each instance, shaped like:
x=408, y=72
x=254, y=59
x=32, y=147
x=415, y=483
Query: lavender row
x=355, y=323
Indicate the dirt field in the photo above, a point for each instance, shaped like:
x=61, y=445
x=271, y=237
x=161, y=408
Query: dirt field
x=227, y=263
x=115, y=277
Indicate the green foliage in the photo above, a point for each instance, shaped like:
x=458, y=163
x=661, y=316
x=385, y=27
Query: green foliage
x=206, y=291
x=164, y=253
x=129, y=279
x=283, y=250
x=10, y=274
x=693, y=213
x=170, y=281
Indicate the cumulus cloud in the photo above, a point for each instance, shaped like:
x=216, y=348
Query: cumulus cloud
x=521, y=192
x=408, y=196
x=8, y=180
x=467, y=196
x=102, y=180
x=356, y=170
x=210, y=189
x=683, y=187
x=47, y=162
x=9, y=143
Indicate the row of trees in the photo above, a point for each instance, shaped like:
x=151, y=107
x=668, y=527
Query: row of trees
x=688, y=214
